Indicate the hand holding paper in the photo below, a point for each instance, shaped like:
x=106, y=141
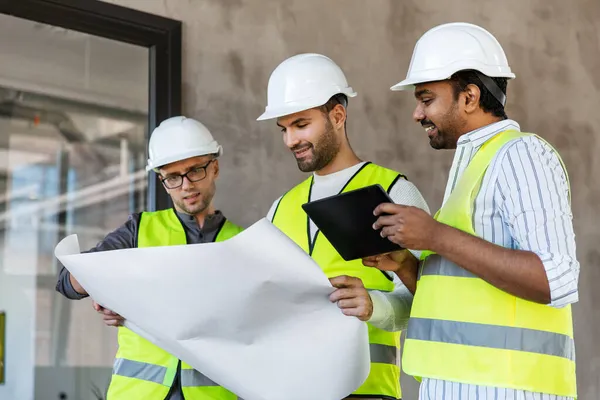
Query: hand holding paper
x=110, y=317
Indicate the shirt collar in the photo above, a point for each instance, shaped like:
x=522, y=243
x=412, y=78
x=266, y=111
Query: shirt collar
x=479, y=136
x=211, y=223
x=333, y=177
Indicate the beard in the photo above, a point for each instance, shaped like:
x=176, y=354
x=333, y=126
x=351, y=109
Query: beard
x=200, y=205
x=448, y=133
x=322, y=152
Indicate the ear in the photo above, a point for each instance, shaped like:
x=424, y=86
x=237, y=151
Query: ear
x=338, y=116
x=216, y=167
x=472, y=95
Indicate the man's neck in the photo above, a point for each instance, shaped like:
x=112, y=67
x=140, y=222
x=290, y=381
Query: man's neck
x=344, y=159
x=201, y=217
x=481, y=122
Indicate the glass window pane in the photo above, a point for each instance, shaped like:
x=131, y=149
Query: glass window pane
x=72, y=161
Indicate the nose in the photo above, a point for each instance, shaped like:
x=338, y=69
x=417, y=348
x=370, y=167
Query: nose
x=418, y=113
x=290, y=138
x=186, y=184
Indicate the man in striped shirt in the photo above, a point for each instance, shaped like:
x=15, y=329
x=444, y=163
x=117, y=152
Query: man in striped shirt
x=491, y=317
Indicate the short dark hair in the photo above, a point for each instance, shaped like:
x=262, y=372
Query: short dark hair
x=461, y=79
x=333, y=101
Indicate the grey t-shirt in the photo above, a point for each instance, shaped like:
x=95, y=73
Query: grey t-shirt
x=125, y=237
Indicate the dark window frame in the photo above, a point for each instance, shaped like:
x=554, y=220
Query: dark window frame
x=162, y=37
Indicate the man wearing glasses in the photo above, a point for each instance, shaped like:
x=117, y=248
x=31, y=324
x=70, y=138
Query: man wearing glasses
x=183, y=152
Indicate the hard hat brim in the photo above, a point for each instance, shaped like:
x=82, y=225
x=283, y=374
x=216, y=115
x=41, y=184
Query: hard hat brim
x=183, y=156
x=446, y=73
x=295, y=107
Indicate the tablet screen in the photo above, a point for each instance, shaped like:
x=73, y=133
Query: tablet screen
x=347, y=219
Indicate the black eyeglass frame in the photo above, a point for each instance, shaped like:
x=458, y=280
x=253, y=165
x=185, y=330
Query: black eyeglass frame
x=181, y=176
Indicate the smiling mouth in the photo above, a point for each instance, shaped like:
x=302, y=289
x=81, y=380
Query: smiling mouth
x=430, y=130
x=302, y=152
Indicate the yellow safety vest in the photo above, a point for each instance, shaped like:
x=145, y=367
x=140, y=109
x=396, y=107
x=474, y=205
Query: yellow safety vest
x=290, y=218
x=143, y=370
x=463, y=329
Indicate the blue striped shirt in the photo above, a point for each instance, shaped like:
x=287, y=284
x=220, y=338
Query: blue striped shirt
x=523, y=204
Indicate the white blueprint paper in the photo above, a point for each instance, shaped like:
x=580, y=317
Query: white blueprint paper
x=251, y=313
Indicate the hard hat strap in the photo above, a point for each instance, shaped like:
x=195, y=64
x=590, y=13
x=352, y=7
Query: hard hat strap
x=493, y=87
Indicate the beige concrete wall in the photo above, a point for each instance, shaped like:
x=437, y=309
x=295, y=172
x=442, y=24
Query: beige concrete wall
x=231, y=46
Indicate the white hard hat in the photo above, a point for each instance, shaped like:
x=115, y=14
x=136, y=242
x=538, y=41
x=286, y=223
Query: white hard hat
x=178, y=138
x=302, y=82
x=449, y=48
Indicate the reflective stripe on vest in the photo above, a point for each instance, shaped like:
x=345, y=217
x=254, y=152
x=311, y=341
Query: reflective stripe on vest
x=383, y=354
x=157, y=373
x=463, y=329
x=290, y=218
x=141, y=369
x=497, y=337
x=191, y=378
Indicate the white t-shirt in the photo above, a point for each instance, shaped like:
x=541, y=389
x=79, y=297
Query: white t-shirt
x=390, y=309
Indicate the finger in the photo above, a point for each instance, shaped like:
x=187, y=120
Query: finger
x=368, y=263
x=106, y=311
x=114, y=322
x=385, y=220
x=348, y=293
x=371, y=261
x=112, y=317
x=372, y=258
x=389, y=231
x=345, y=281
x=351, y=303
x=358, y=312
x=388, y=208
x=97, y=307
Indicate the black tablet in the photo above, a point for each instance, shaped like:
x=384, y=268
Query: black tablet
x=347, y=221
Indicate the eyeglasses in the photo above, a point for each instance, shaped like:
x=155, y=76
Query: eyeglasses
x=194, y=175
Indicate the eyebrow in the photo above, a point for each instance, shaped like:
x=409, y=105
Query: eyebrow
x=188, y=170
x=421, y=92
x=295, y=122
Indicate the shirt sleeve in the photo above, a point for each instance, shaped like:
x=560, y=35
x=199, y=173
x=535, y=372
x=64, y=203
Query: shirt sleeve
x=533, y=191
x=124, y=237
x=391, y=310
x=406, y=193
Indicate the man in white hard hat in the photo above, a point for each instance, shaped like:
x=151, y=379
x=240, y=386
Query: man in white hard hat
x=185, y=155
x=491, y=317
x=308, y=95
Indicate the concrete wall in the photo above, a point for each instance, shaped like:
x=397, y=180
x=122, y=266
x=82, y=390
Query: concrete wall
x=231, y=46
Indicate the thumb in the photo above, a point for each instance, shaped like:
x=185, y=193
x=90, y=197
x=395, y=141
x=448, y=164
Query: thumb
x=371, y=261
x=97, y=306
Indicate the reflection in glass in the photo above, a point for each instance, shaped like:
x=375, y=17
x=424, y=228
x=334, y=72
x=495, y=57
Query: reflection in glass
x=72, y=161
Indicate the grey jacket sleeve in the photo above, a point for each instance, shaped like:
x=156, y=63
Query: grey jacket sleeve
x=124, y=237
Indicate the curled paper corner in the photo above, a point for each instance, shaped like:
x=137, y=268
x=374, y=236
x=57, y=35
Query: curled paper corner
x=67, y=247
